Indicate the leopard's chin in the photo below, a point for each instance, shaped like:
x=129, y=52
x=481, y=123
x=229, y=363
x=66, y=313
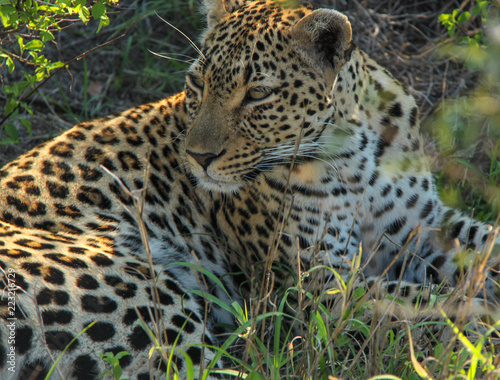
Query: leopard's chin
x=218, y=186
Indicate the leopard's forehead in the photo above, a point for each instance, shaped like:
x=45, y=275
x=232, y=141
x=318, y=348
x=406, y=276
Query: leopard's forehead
x=261, y=17
x=253, y=40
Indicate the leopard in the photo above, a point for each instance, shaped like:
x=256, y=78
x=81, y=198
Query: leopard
x=289, y=147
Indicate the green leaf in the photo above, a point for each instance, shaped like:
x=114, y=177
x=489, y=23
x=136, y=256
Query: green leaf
x=480, y=8
x=11, y=65
x=107, y=357
x=46, y=36
x=117, y=372
x=444, y=18
x=104, y=22
x=20, y=41
x=9, y=61
x=11, y=131
x=476, y=10
x=7, y=141
x=359, y=292
x=54, y=65
x=27, y=107
x=8, y=14
x=29, y=82
x=10, y=107
x=82, y=10
x=35, y=45
x=473, y=42
x=121, y=354
x=26, y=123
x=11, y=89
x=451, y=30
x=98, y=10
x=8, y=89
x=464, y=17
x=84, y=15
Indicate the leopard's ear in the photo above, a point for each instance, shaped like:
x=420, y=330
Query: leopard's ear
x=324, y=38
x=216, y=10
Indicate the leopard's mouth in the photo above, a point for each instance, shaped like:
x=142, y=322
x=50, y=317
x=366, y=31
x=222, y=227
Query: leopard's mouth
x=211, y=178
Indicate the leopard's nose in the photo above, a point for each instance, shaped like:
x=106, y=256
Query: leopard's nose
x=204, y=159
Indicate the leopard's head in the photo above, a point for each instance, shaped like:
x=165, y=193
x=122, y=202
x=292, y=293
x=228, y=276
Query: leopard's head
x=260, y=95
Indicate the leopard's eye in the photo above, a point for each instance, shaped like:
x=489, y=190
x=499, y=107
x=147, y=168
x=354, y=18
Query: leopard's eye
x=195, y=81
x=258, y=93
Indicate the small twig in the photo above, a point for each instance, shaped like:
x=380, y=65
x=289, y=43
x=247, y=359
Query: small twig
x=49, y=4
x=17, y=57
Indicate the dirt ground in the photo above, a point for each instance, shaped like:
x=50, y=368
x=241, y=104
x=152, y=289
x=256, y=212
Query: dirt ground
x=403, y=36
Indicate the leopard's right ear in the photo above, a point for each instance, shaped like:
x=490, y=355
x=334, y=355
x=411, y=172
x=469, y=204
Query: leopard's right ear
x=216, y=10
x=324, y=38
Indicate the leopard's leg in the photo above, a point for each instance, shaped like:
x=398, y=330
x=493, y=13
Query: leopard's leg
x=464, y=249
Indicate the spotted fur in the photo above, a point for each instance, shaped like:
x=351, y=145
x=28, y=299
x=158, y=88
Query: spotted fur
x=287, y=139
x=63, y=283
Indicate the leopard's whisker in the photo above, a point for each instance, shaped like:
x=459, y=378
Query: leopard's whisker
x=169, y=57
x=185, y=36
